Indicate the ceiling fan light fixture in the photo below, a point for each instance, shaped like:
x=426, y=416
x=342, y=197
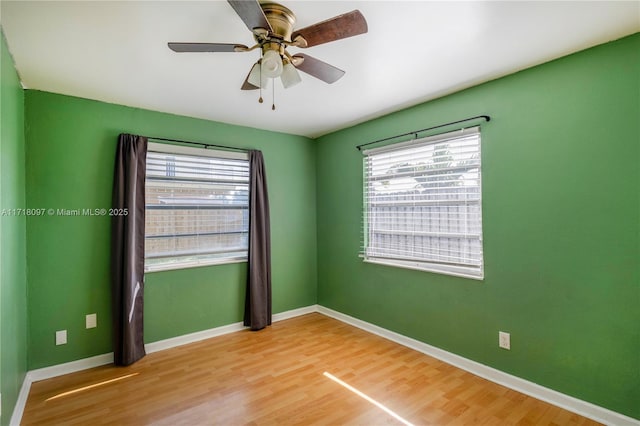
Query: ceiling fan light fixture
x=257, y=78
x=271, y=64
x=290, y=76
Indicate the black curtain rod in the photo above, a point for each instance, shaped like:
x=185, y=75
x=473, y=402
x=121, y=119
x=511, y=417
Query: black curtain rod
x=415, y=132
x=201, y=144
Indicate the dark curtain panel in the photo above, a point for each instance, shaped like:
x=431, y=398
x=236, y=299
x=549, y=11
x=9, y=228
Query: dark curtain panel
x=127, y=249
x=257, y=309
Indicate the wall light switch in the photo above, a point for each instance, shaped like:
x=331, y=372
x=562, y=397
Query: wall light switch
x=61, y=337
x=91, y=320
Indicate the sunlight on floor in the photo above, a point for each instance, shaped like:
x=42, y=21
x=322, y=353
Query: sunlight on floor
x=95, y=385
x=368, y=398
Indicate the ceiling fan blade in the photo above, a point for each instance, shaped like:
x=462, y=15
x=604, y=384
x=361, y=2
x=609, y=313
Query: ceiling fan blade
x=206, y=47
x=251, y=14
x=318, y=69
x=246, y=85
x=342, y=26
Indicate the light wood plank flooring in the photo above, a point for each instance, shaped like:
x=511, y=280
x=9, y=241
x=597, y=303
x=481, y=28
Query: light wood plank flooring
x=275, y=377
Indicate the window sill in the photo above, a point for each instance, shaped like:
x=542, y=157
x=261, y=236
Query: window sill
x=456, y=271
x=189, y=265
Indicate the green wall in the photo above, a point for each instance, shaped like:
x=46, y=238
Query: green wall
x=70, y=152
x=13, y=282
x=561, y=212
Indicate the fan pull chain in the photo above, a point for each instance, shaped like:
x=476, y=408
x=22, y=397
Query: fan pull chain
x=273, y=95
x=260, y=98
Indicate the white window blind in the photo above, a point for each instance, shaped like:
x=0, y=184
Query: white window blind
x=197, y=207
x=423, y=204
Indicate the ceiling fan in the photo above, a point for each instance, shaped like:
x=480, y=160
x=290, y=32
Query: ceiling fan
x=272, y=28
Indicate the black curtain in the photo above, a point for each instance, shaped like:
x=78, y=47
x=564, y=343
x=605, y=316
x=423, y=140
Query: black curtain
x=257, y=309
x=127, y=249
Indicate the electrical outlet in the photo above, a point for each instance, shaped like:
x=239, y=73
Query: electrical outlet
x=61, y=337
x=91, y=321
x=504, y=340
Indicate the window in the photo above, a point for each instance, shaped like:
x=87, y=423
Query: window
x=422, y=204
x=197, y=207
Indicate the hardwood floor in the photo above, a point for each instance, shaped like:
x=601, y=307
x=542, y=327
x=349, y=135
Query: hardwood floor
x=275, y=376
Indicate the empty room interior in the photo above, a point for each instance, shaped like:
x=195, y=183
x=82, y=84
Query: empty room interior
x=306, y=212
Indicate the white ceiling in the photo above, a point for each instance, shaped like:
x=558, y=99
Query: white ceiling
x=116, y=51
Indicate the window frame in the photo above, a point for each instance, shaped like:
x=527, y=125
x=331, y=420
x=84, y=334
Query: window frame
x=423, y=264
x=200, y=152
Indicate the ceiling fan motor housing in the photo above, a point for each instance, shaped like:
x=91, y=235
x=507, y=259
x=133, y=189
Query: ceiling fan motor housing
x=281, y=20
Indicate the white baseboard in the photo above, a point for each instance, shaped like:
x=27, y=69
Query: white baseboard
x=567, y=402
x=219, y=331
x=583, y=408
x=294, y=313
x=69, y=367
x=16, y=417
x=185, y=339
